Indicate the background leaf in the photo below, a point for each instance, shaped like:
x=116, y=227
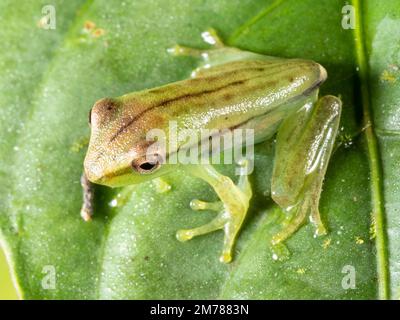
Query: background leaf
x=50, y=79
x=382, y=21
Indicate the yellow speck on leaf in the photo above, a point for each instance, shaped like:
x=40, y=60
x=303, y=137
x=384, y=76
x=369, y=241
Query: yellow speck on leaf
x=98, y=32
x=387, y=76
x=359, y=240
x=327, y=243
x=79, y=144
x=301, y=271
x=89, y=25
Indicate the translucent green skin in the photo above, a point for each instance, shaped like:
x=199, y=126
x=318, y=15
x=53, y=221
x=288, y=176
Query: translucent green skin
x=232, y=89
x=231, y=95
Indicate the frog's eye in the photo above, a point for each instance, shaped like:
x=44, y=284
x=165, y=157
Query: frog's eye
x=146, y=164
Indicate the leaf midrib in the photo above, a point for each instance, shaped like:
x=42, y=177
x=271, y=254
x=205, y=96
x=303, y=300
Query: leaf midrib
x=375, y=161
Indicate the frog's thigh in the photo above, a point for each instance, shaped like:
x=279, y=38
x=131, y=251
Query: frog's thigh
x=304, y=145
x=233, y=207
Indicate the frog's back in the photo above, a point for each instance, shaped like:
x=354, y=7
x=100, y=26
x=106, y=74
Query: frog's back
x=222, y=96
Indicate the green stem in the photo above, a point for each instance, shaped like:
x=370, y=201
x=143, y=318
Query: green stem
x=374, y=158
x=252, y=21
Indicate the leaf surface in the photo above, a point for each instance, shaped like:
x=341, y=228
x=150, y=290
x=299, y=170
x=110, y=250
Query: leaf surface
x=51, y=78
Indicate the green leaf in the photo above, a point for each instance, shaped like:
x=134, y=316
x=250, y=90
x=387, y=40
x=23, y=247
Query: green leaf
x=51, y=78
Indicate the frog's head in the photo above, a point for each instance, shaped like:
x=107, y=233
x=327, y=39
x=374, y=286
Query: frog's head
x=118, y=152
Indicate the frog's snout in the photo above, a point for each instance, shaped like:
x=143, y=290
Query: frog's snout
x=93, y=172
x=94, y=168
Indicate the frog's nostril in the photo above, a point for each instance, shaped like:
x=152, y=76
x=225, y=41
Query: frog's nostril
x=102, y=112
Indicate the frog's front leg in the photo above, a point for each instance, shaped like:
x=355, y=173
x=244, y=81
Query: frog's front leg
x=218, y=54
x=304, y=144
x=209, y=36
x=231, y=209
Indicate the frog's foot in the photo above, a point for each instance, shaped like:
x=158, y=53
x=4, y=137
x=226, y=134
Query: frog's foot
x=231, y=209
x=209, y=36
x=217, y=55
x=297, y=217
x=304, y=146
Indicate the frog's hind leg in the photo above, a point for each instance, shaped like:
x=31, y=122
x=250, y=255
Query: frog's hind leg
x=304, y=145
x=231, y=209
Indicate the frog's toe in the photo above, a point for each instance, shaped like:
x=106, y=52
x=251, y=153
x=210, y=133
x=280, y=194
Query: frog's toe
x=187, y=234
x=320, y=231
x=228, y=219
x=184, y=235
x=211, y=37
x=179, y=50
x=315, y=219
x=198, y=205
x=297, y=217
x=226, y=257
x=220, y=222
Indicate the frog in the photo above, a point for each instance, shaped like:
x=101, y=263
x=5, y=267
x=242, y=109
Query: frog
x=277, y=98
